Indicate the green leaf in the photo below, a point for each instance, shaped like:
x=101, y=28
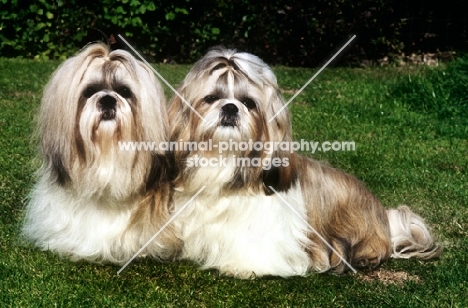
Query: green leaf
x=136, y=22
x=39, y=26
x=49, y=15
x=183, y=11
x=215, y=31
x=170, y=16
x=120, y=9
x=151, y=6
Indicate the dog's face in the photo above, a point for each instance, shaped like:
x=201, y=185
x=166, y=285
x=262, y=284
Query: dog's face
x=92, y=102
x=232, y=96
x=231, y=107
x=108, y=103
x=108, y=110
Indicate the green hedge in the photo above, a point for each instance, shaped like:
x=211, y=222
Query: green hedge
x=300, y=33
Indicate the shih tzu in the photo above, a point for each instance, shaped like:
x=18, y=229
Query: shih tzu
x=94, y=200
x=269, y=211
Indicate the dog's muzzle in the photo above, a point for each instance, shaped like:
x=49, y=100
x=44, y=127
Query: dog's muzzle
x=107, y=104
x=229, y=115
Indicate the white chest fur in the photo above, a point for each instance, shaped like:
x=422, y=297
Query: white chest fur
x=77, y=227
x=246, y=235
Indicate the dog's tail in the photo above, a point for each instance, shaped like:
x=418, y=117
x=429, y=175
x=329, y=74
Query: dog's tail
x=410, y=236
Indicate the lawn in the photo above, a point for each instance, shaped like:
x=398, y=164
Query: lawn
x=410, y=129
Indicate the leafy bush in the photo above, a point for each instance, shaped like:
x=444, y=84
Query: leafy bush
x=297, y=33
x=56, y=29
x=42, y=29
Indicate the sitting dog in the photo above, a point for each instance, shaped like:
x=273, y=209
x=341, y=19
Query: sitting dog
x=270, y=212
x=94, y=200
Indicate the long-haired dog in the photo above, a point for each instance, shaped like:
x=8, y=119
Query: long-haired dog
x=268, y=211
x=94, y=200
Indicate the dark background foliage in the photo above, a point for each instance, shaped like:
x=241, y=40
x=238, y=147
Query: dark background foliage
x=296, y=33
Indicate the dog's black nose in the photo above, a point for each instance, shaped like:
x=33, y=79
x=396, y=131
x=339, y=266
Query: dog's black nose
x=107, y=102
x=107, y=105
x=230, y=109
x=229, y=115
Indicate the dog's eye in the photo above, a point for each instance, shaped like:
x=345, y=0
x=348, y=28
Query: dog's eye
x=124, y=92
x=249, y=103
x=210, y=99
x=89, y=91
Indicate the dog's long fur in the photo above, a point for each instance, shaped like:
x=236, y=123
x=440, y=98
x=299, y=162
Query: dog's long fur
x=92, y=200
x=241, y=226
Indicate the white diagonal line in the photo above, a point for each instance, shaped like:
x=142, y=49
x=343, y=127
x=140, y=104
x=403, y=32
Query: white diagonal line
x=315, y=231
x=161, y=77
x=313, y=77
x=160, y=230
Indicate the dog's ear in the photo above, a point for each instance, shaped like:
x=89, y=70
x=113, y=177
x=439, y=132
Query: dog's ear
x=280, y=178
x=163, y=170
x=181, y=122
x=278, y=119
x=177, y=117
x=56, y=120
x=57, y=170
x=152, y=103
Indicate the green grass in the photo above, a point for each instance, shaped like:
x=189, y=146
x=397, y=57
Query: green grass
x=411, y=148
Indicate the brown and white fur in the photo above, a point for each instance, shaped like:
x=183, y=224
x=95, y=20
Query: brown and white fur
x=241, y=226
x=92, y=200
